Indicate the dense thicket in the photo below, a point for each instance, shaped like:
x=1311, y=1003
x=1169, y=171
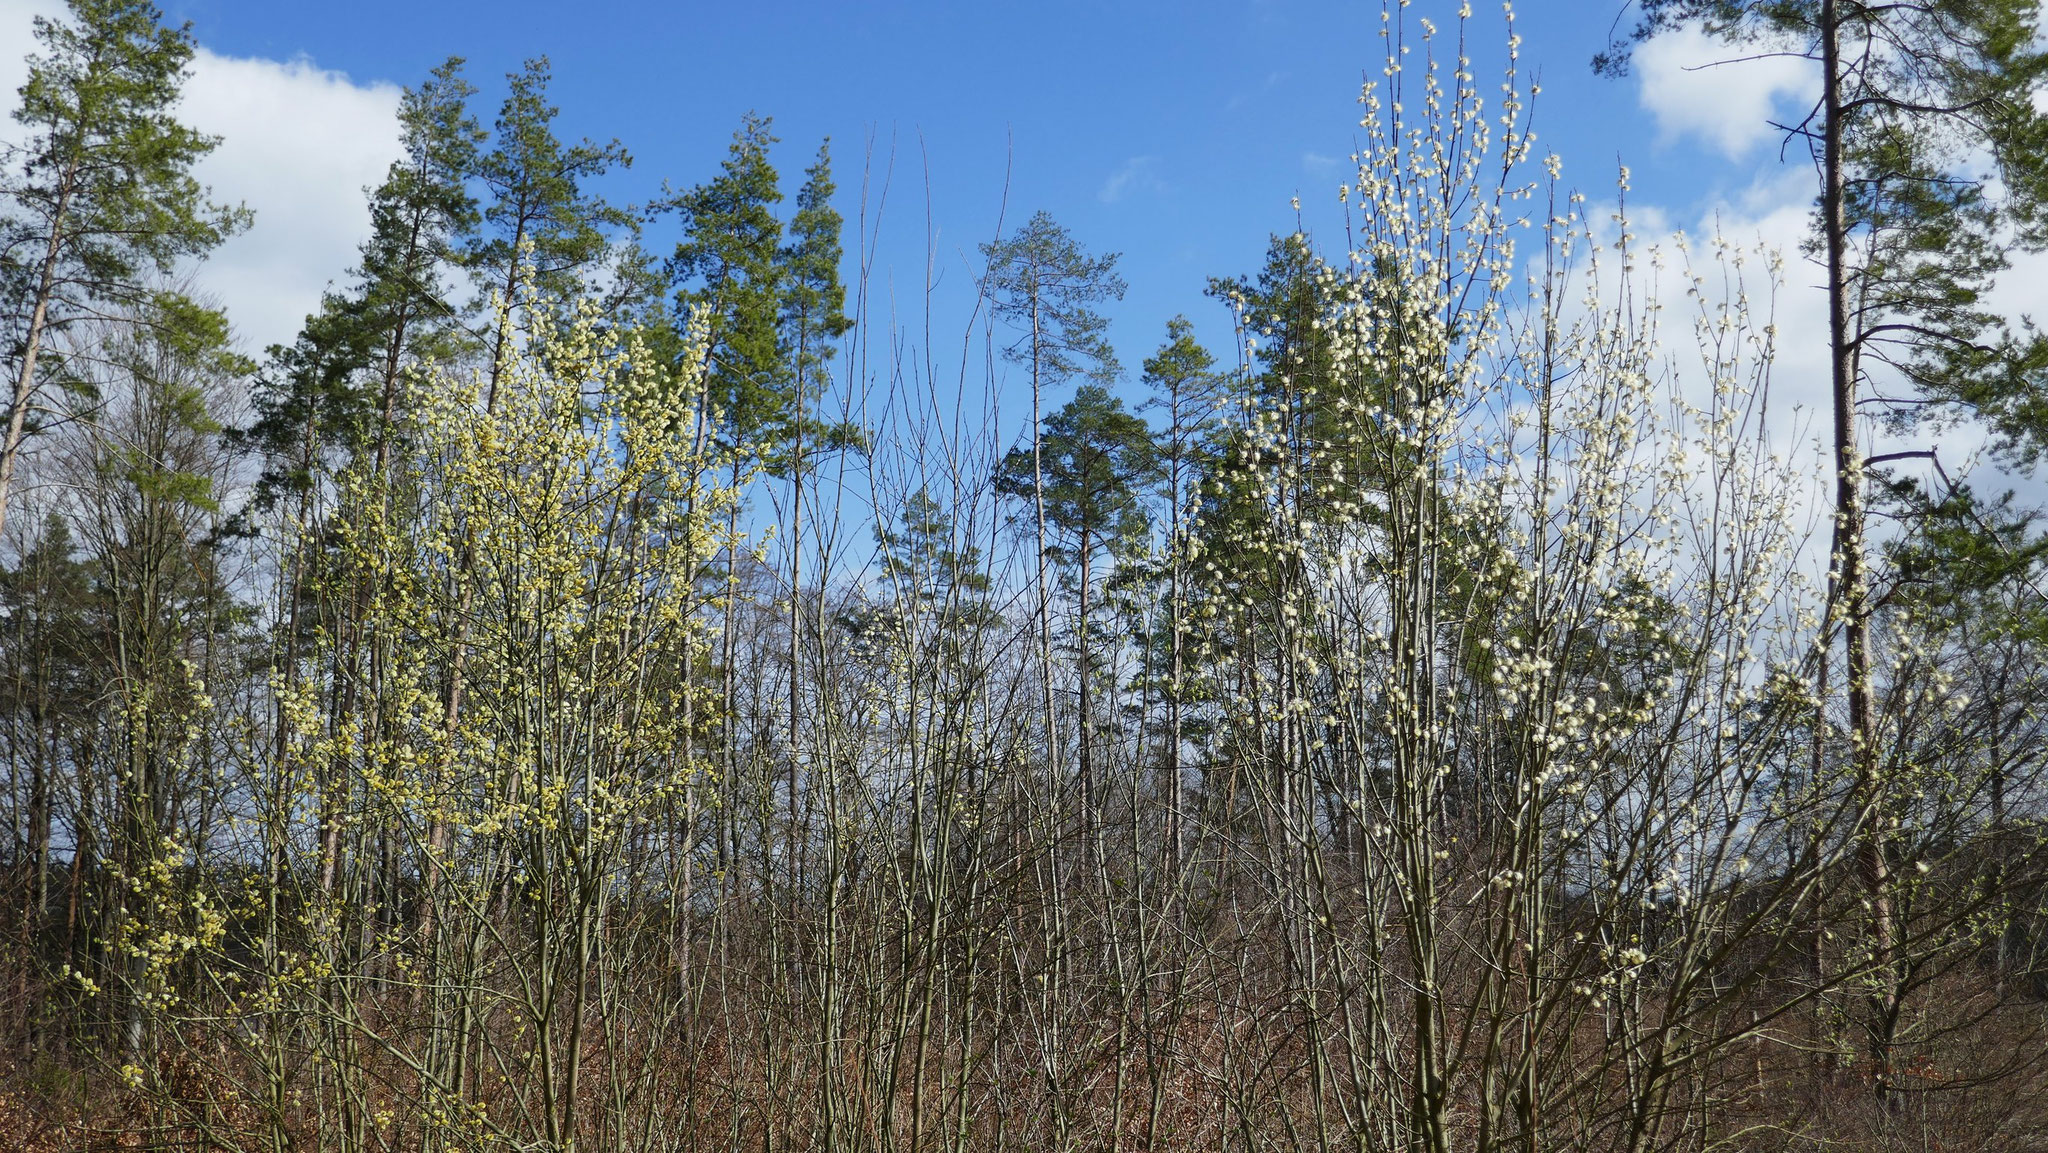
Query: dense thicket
x=541, y=709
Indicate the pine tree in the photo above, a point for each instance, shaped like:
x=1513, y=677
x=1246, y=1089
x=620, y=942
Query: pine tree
x=1932, y=158
x=1046, y=288
x=1190, y=393
x=542, y=222
x=418, y=218
x=924, y=563
x=105, y=195
x=1088, y=470
x=730, y=263
x=813, y=307
x=936, y=579
x=1292, y=311
x=813, y=317
x=337, y=386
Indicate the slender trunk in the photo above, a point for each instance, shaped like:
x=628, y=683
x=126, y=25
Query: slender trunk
x=1087, y=761
x=1176, y=623
x=1851, y=577
x=1052, y=757
x=796, y=593
x=32, y=344
x=39, y=875
x=503, y=336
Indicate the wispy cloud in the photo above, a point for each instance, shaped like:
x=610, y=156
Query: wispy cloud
x=1138, y=174
x=1317, y=164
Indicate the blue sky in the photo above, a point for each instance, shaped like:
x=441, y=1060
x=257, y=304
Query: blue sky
x=1175, y=134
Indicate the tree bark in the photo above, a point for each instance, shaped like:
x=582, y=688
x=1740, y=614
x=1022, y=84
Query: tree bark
x=1850, y=593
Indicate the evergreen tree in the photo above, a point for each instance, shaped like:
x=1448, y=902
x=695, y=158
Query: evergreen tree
x=337, y=385
x=418, y=218
x=731, y=264
x=1042, y=284
x=727, y=271
x=925, y=564
x=1189, y=392
x=103, y=193
x=938, y=586
x=541, y=220
x=1287, y=308
x=1088, y=470
x=813, y=316
x=1047, y=288
x=813, y=303
x=1932, y=158
x=1292, y=311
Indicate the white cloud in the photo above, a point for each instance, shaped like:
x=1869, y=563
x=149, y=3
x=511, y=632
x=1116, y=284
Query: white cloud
x=1774, y=215
x=298, y=146
x=1138, y=174
x=1777, y=211
x=1686, y=86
